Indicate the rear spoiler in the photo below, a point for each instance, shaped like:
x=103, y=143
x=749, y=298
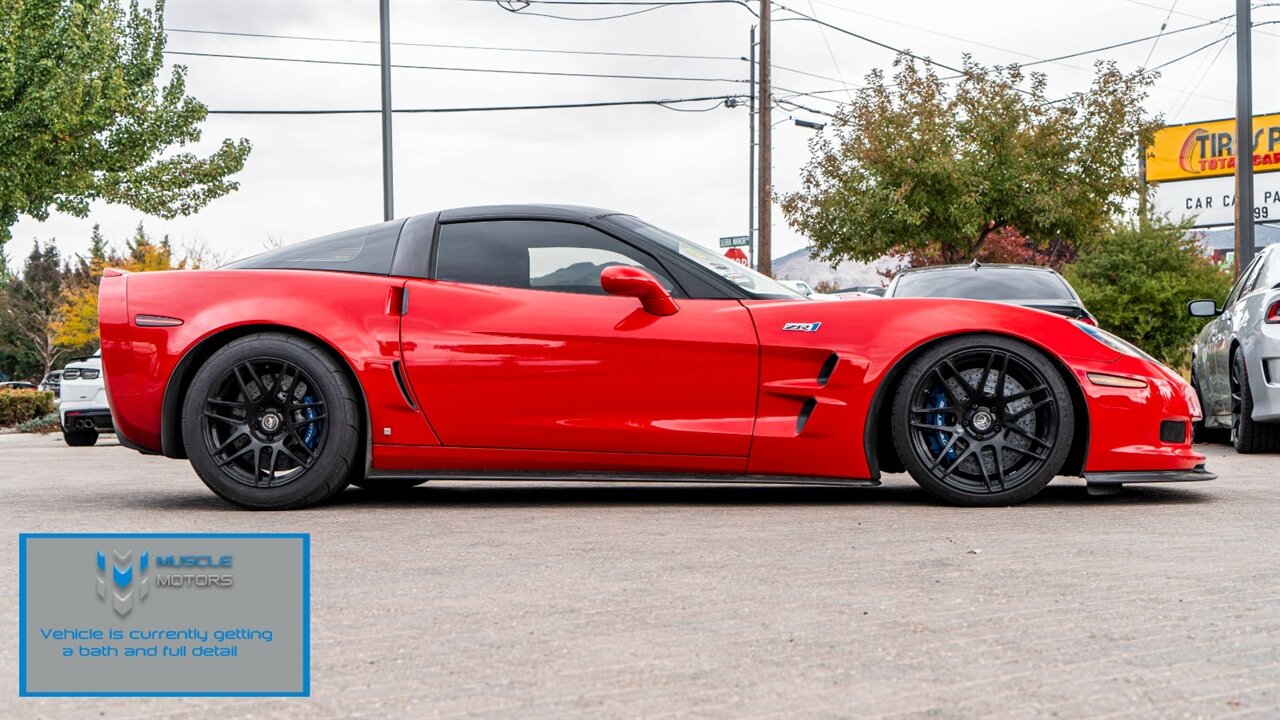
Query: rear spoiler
x=114, y=272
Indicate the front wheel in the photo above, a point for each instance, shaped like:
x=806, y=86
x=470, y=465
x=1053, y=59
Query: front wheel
x=270, y=422
x=983, y=420
x=1248, y=436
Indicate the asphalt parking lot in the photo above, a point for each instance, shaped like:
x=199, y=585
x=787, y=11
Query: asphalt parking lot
x=555, y=600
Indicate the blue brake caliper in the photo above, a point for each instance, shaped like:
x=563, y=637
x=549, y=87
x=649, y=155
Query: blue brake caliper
x=311, y=436
x=938, y=439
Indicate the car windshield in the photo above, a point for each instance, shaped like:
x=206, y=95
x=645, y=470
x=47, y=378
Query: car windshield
x=983, y=284
x=757, y=284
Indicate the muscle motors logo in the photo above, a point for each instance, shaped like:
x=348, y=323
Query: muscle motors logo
x=117, y=583
x=124, y=579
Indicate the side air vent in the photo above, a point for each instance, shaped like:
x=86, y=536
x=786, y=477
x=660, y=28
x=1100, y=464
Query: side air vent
x=805, y=412
x=404, y=389
x=828, y=367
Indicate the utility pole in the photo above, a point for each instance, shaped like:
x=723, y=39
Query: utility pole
x=1244, y=137
x=388, y=189
x=751, y=158
x=765, y=262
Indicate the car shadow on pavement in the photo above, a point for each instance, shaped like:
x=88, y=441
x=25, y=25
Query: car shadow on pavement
x=524, y=495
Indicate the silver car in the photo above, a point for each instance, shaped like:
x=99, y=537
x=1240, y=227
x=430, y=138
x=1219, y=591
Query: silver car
x=1235, y=362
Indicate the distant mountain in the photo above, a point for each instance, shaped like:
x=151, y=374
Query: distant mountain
x=798, y=266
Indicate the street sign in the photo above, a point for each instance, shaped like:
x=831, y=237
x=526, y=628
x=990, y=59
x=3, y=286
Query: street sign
x=735, y=241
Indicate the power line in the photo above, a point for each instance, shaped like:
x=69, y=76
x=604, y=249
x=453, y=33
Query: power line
x=510, y=6
x=830, y=52
x=1113, y=46
x=663, y=103
x=1164, y=24
x=499, y=71
x=864, y=38
x=449, y=46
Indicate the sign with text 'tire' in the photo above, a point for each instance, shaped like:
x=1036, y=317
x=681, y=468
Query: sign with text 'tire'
x=1208, y=149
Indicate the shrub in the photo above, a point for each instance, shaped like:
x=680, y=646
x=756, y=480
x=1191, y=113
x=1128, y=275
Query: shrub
x=1138, y=282
x=43, y=424
x=18, y=406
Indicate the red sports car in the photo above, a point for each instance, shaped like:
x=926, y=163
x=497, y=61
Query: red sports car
x=559, y=342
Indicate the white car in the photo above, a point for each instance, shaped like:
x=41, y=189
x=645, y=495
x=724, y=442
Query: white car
x=803, y=288
x=1235, y=362
x=82, y=401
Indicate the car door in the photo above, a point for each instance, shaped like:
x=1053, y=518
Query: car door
x=1220, y=344
x=515, y=345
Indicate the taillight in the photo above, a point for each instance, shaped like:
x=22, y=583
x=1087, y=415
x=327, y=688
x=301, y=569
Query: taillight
x=1087, y=321
x=1273, y=313
x=89, y=374
x=70, y=374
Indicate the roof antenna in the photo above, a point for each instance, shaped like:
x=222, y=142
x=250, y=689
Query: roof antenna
x=975, y=264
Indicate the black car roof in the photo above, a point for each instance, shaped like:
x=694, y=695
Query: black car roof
x=578, y=213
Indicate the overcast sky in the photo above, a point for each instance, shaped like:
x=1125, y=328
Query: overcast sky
x=686, y=171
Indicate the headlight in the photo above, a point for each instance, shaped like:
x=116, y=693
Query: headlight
x=1121, y=346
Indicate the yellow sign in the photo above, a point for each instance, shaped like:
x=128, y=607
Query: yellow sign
x=1207, y=149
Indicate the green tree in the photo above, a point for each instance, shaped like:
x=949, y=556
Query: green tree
x=75, y=324
x=1139, y=280
x=915, y=166
x=31, y=306
x=82, y=117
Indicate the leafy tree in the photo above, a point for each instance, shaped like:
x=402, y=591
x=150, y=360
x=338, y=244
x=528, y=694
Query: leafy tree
x=1139, y=280
x=1005, y=245
x=82, y=117
x=31, y=306
x=75, y=326
x=914, y=166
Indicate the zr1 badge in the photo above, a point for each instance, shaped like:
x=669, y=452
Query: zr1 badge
x=802, y=327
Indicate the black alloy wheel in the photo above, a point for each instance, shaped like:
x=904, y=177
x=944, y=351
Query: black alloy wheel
x=983, y=420
x=264, y=422
x=270, y=421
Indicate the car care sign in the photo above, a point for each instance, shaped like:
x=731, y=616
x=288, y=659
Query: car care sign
x=164, y=614
x=1192, y=167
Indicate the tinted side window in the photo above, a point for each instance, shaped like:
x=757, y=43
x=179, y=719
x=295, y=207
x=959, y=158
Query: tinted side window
x=534, y=255
x=1239, y=288
x=363, y=250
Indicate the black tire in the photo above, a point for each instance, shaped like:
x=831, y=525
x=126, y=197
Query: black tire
x=1248, y=436
x=80, y=438
x=388, y=485
x=1201, y=433
x=983, y=420
x=285, y=402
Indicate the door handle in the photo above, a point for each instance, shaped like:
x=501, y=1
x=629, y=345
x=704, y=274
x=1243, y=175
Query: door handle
x=397, y=301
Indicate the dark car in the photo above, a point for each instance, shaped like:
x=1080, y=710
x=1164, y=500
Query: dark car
x=52, y=382
x=1026, y=285
x=17, y=385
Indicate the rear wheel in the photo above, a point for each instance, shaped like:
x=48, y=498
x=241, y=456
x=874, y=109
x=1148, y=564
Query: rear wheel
x=983, y=420
x=270, y=422
x=80, y=438
x=1248, y=436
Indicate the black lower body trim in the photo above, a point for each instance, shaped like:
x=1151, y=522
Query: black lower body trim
x=571, y=476
x=1149, y=476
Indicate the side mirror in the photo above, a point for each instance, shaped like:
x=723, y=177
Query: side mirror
x=1203, y=308
x=635, y=282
